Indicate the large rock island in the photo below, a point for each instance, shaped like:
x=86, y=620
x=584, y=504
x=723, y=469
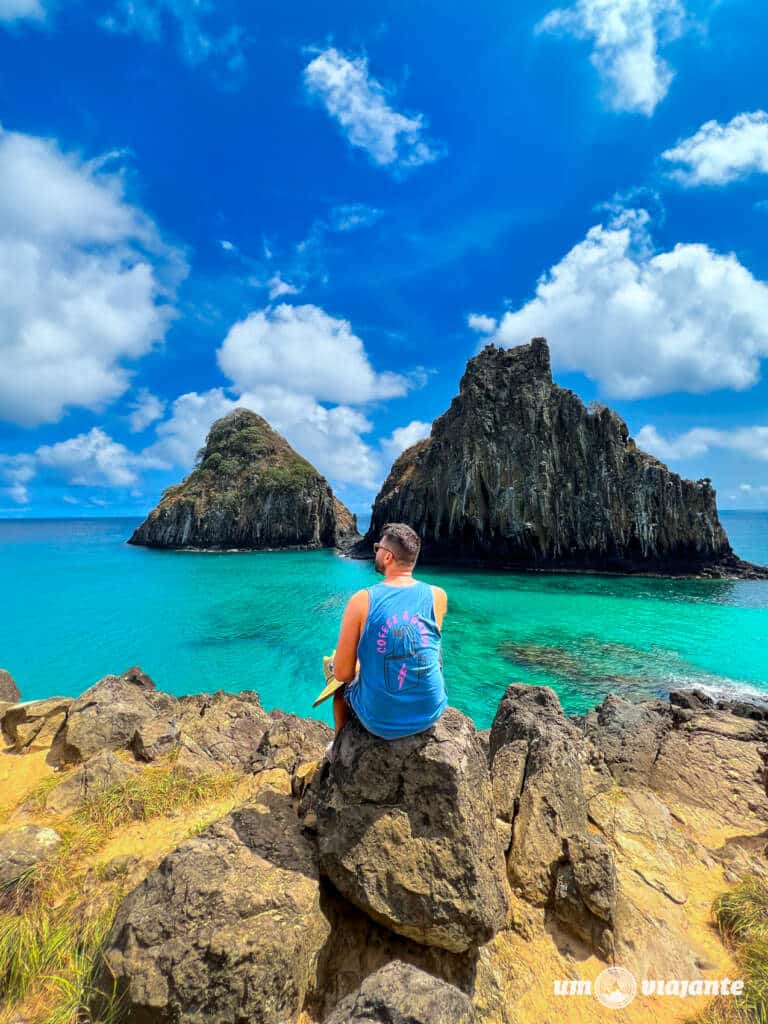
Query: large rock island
x=520, y=473
x=249, y=489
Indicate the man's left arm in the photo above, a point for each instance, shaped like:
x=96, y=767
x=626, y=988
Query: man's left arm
x=345, y=659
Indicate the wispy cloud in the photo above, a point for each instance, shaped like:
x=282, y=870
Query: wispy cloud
x=626, y=37
x=188, y=21
x=360, y=104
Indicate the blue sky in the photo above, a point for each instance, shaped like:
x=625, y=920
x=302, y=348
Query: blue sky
x=322, y=211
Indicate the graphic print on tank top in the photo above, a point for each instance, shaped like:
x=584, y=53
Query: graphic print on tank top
x=400, y=641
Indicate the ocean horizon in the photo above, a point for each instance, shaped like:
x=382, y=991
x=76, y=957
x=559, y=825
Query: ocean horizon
x=86, y=604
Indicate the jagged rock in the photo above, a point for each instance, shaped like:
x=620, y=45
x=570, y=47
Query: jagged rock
x=628, y=734
x=550, y=805
x=100, y=772
x=33, y=724
x=228, y=928
x=402, y=994
x=22, y=849
x=226, y=728
x=249, y=489
x=702, y=755
x=406, y=832
x=586, y=892
x=289, y=741
x=108, y=715
x=9, y=691
x=507, y=774
x=519, y=472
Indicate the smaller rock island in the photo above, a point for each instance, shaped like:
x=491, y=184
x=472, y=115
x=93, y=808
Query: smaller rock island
x=248, y=490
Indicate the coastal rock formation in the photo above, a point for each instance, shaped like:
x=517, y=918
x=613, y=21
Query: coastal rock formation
x=536, y=756
x=679, y=752
x=33, y=724
x=402, y=994
x=372, y=886
x=406, y=832
x=249, y=489
x=228, y=928
x=9, y=691
x=520, y=473
x=109, y=714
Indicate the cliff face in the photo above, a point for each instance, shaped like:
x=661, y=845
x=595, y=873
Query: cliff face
x=519, y=472
x=250, y=489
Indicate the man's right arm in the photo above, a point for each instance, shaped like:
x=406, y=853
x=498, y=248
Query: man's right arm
x=352, y=622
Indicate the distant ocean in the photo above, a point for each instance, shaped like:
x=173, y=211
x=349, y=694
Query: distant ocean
x=79, y=603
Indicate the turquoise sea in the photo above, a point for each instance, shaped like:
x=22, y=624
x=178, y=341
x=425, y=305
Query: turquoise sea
x=79, y=603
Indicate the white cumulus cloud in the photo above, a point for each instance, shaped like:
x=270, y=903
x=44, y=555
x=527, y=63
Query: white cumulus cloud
x=403, y=437
x=626, y=37
x=92, y=459
x=85, y=282
x=180, y=436
x=720, y=153
x=361, y=106
x=641, y=322
x=751, y=441
x=307, y=351
x=481, y=324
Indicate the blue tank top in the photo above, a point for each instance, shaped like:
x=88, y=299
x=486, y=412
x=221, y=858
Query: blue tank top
x=401, y=690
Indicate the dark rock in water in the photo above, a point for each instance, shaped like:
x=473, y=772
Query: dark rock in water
x=406, y=832
x=520, y=473
x=402, y=994
x=9, y=691
x=228, y=928
x=251, y=490
x=22, y=849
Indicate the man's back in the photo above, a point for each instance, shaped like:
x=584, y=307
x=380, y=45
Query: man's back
x=400, y=690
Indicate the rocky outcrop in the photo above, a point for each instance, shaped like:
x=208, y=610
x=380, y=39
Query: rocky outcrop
x=22, y=849
x=405, y=831
x=446, y=876
x=705, y=756
x=9, y=691
x=520, y=473
x=109, y=715
x=402, y=994
x=250, y=490
x=228, y=928
x=101, y=772
x=537, y=756
x=33, y=724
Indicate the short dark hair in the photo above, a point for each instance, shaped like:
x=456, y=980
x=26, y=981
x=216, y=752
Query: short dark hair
x=403, y=542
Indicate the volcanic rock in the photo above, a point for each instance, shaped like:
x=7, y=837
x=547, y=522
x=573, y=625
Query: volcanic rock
x=520, y=473
x=249, y=489
x=402, y=994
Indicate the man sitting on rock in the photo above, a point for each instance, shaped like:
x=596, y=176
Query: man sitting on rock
x=394, y=630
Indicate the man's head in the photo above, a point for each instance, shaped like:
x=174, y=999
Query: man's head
x=398, y=548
